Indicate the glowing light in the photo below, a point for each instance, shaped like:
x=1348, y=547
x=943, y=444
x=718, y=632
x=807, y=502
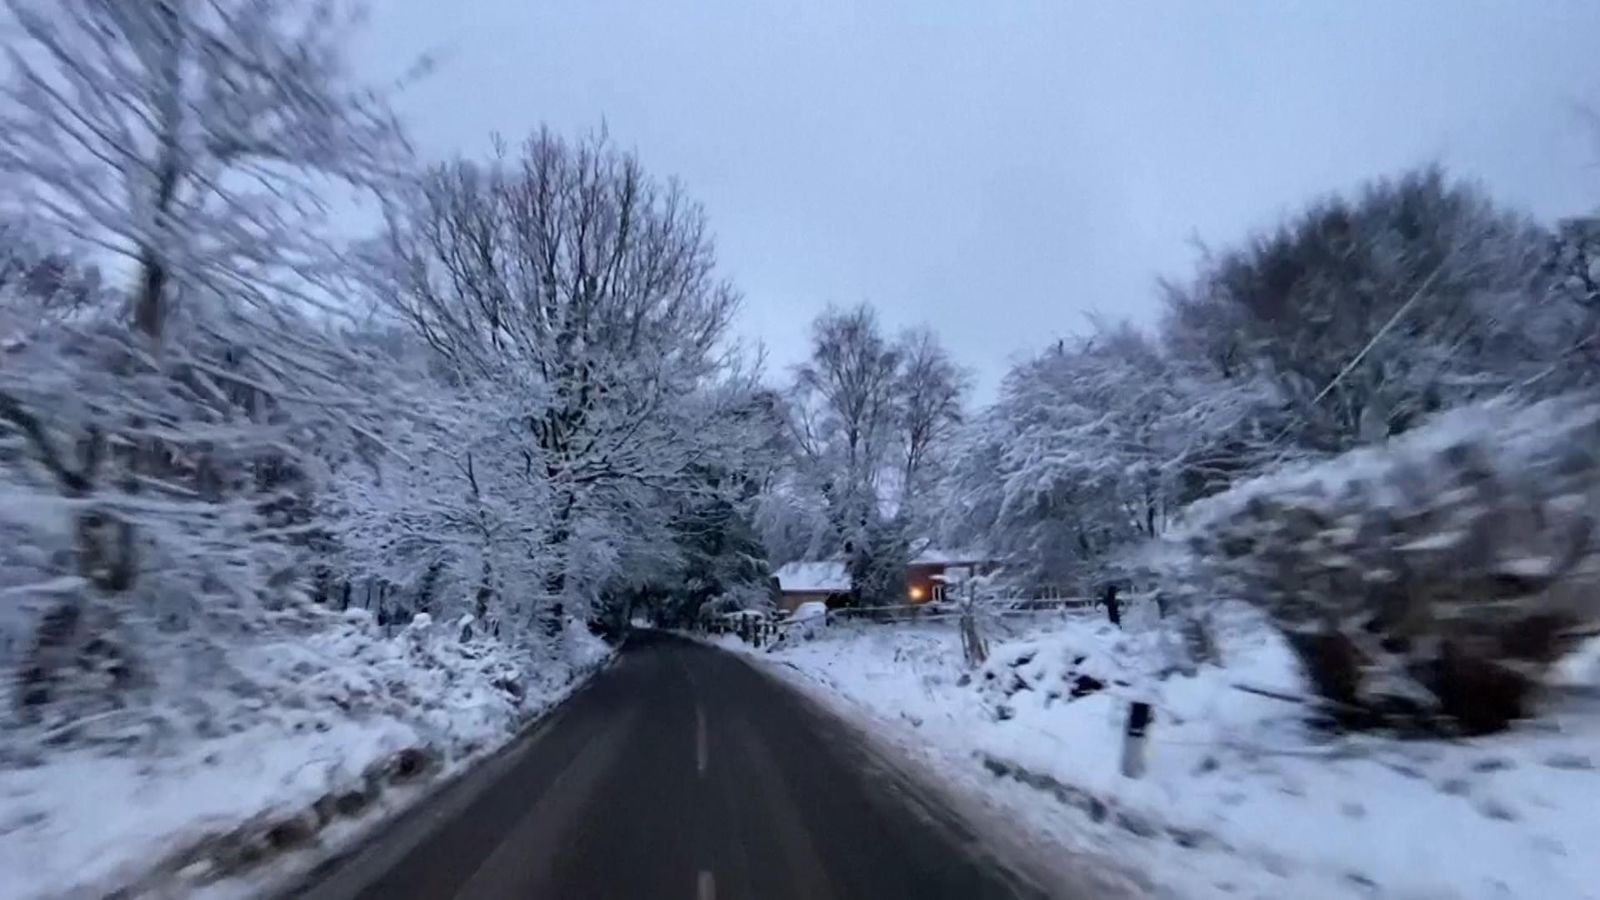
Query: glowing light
x=916, y=593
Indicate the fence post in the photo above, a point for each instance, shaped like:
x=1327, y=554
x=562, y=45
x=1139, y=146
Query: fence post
x=1134, y=738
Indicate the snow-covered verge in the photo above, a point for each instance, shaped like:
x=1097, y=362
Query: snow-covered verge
x=1240, y=797
x=342, y=726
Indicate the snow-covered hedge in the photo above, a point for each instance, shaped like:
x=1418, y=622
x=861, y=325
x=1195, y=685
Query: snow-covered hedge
x=1431, y=580
x=311, y=670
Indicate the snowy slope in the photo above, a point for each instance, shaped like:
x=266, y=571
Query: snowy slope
x=336, y=705
x=1240, y=799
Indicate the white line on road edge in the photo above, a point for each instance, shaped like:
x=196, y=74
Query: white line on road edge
x=708, y=886
x=700, y=741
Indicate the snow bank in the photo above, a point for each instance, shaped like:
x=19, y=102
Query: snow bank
x=86, y=821
x=323, y=710
x=1240, y=798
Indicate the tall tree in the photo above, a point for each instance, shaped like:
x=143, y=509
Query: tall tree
x=1092, y=447
x=846, y=393
x=847, y=411
x=1368, y=313
x=178, y=135
x=588, y=291
x=192, y=142
x=929, y=392
x=1573, y=325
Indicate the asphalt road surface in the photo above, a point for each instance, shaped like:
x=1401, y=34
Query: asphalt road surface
x=682, y=772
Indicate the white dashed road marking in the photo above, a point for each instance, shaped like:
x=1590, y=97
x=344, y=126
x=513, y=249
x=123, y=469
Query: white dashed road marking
x=700, y=740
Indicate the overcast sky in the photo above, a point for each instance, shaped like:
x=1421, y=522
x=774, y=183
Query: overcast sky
x=1002, y=170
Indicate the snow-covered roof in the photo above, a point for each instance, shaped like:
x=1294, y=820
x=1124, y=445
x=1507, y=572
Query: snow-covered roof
x=941, y=556
x=813, y=577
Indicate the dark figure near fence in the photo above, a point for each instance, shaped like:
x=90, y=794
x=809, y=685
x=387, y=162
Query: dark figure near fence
x=1113, y=605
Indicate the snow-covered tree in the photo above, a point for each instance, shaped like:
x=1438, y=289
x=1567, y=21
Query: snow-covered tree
x=451, y=517
x=39, y=285
x=1092, y=446
x=1367, y=314
x=792, y=516
x=584, y=292
x=976, y=596
x=196, y=141
x=162, y=457
x=845, y=399
x=929, y=394
x=872, y=419
x=1571, y=323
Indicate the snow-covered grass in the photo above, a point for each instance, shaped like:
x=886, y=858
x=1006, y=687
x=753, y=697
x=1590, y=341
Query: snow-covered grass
x=1240, y=798
x=331, y=706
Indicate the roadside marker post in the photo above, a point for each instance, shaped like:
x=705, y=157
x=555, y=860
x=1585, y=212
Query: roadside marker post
x=1134, y=739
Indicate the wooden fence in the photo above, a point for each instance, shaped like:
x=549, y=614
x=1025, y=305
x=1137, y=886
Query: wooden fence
x=761, y=630
x=937, y=612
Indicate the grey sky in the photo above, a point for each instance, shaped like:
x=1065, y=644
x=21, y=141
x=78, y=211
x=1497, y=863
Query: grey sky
x=1001, y=170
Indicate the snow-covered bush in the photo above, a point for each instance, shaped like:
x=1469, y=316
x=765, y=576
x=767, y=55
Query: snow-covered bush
x=461, y=696
x=1058, y=672
x=1432, y=580
x=1066, y=660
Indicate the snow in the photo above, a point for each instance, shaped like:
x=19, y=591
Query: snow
x=813, y=577
x=1273, y=808
x=939, y=556
x=809, y=610
x=86, y=821
x=1580, y=669
x=334, y=703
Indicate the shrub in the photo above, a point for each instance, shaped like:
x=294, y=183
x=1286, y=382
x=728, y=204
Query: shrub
x=1429, y=582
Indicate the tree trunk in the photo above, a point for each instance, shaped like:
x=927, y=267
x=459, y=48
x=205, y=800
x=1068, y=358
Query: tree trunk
x=149, y=310
x=485, y=594
x=429, y=587
x=973, y=647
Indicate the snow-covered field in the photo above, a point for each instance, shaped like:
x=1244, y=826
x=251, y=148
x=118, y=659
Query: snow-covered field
x=1240, y=798
x=87, y=821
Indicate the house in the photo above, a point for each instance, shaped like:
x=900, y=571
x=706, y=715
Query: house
x=827, y=581
x=928, y=570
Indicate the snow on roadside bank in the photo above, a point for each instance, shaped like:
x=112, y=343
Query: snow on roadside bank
x=332, y=707
x=1240, y=799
